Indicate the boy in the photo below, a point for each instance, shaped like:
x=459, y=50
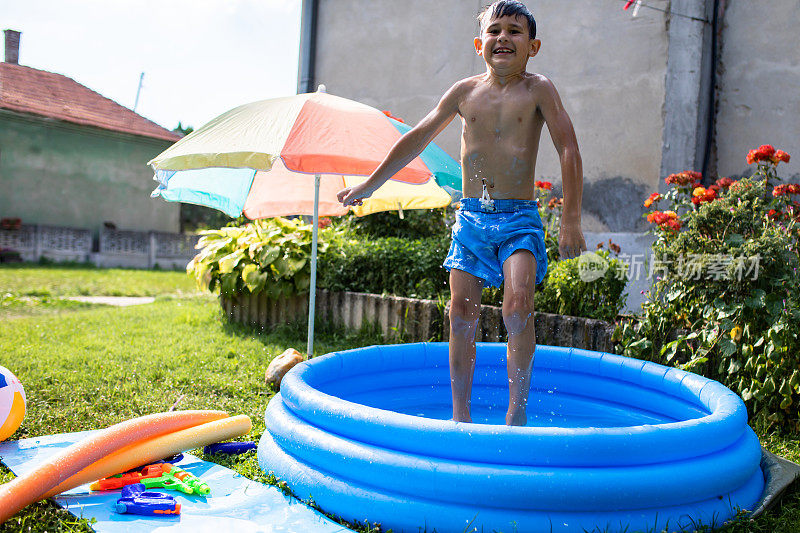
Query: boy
x=498, y=234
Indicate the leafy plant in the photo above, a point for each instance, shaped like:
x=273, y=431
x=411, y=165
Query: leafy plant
x=389, y=265
x=726, y=302
x=414, y=224
x=571, y=288
x=270, y=255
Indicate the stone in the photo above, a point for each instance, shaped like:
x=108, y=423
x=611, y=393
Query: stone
x=281, y=365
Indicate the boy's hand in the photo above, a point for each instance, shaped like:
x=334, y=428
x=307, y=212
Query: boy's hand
x=570, y=241
x=353, y=195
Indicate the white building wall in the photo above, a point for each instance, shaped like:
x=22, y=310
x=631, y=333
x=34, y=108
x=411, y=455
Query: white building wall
x=759, y=84
x=402, y=55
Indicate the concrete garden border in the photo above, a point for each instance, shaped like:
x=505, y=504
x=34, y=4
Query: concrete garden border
x=410, y=319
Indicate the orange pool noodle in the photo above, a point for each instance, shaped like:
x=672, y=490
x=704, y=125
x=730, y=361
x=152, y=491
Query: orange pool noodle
x=32, y=487
x=156, y=448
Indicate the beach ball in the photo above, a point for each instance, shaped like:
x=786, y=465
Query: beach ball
x=12, y=403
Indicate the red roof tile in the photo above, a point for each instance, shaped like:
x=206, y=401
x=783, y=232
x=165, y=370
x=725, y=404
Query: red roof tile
x=28, y=90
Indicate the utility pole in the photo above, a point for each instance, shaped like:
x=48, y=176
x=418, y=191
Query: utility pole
x=139, y=90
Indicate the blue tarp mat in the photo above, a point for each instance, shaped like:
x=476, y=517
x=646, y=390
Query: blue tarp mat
x=235, y=503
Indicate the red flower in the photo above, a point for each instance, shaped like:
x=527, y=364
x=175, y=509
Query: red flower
x=702, y=195
x=666, y=220
x=324, y=222
x=684, y=179
x=765, y=151
x=546, y=185
x=786, y=188
x=652, y=198
x=696, y=176
x=724, y=183
x=554, y=203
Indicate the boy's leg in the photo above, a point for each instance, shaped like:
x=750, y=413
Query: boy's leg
x=465, y=307
x=519, y=272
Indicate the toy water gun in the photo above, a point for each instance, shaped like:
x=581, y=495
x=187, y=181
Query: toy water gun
x=116, y=482
x=172, y=477
x=159, y=475
x=136, y=500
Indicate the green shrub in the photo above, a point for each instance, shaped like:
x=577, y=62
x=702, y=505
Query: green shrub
x=415, y=224
x=571, y=288
x=390, y=265
x=198, y=217
x=728, y=283
x=271, y=255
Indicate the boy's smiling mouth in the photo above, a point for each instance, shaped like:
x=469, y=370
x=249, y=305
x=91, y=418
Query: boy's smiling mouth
x=503, y=50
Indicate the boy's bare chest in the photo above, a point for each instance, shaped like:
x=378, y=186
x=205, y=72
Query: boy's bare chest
x=499, y=113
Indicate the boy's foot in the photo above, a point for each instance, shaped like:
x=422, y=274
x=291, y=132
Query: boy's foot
x=517, y=418
x=461, y=418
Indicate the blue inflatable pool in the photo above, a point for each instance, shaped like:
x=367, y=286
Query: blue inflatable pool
x=612, y=443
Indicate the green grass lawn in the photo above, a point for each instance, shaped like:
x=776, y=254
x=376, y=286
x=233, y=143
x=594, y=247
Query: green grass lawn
x=90, y=366
x=34, y=290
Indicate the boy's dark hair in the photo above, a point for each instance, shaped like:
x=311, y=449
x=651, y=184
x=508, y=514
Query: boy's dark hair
x=512, y=8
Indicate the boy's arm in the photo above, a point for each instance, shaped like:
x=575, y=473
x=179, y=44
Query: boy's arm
x=570, y=239
x=406, y=148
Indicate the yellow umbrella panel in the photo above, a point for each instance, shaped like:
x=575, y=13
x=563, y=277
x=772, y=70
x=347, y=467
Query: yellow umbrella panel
x=281, y=192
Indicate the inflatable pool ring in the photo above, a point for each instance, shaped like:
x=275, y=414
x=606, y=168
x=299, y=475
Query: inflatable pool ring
x=156, y=448
x=612, y=443
x=32, y=487
x=12, y=403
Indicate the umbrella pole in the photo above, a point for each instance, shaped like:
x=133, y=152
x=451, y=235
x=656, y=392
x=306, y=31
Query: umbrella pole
x=312, y=297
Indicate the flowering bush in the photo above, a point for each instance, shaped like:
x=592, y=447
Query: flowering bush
x=727, y=258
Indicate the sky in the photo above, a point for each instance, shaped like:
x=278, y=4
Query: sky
x=199, y=57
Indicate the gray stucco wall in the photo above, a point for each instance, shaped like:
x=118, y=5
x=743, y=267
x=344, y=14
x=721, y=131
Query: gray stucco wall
x=759, y=84
x=608, y=67
x=59, y=174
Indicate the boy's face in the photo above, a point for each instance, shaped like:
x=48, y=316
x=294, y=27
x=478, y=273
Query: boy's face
x=505, y=43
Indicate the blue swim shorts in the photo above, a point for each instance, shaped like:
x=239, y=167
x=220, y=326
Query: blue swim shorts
x=484, y=238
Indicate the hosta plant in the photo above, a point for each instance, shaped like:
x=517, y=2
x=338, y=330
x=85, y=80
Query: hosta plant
x=272, y=256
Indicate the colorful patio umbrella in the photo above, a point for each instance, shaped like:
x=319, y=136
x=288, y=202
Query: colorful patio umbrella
x=261, y=159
